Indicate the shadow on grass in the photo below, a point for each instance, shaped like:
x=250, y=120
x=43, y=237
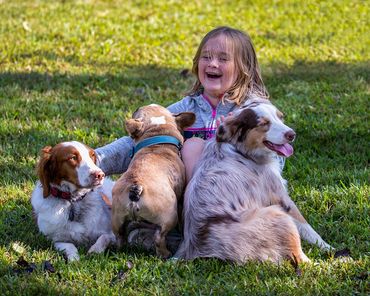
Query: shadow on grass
x=293, y=88
x=151, y=76
x=330, y=71
x=314, y=92
x=154, y=76
x=18, y=150
x=18, y=225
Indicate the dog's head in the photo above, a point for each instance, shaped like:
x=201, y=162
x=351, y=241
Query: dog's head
x=154, y=120
x=69, y=163
x=257, y=130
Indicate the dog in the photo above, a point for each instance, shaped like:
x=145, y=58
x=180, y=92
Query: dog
x=151, y=189
x=236, y=206
x=72, y=199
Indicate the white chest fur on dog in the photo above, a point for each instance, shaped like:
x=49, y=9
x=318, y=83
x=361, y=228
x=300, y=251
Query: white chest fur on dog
x=71, y=200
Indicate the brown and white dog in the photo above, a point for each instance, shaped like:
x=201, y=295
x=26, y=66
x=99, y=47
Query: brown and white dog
x=236, y=206
x=72, y=199
x=154, y=183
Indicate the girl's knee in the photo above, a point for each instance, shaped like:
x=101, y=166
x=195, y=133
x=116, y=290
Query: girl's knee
x=192, y=147
x=191, y=152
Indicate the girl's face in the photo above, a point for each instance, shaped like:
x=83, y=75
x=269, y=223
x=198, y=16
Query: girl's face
x=216, y=67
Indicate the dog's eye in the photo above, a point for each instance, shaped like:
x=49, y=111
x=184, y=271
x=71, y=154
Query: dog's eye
x=280, y=115
x=93, y=155
x=264, y=122
x=73, y=157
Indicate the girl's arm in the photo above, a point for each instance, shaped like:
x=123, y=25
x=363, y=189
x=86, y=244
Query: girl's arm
x=115, y=157
x=185, y=105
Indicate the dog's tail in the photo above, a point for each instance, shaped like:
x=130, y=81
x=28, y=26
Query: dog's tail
x=135, y=192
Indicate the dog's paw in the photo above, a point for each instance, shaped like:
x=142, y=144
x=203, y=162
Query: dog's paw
x=102, y=243
x=165, y=254
x=96, y=248
x=72, y=257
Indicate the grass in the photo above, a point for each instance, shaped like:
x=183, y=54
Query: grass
x=77, y=69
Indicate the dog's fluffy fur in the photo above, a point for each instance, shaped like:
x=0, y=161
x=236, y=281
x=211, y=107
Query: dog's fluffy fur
x=82, y=217
x=236, y=206
x=150, y=189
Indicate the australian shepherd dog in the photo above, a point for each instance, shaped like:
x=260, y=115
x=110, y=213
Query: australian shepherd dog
x=236, y=206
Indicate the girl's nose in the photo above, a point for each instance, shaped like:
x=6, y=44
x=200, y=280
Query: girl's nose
x=213, y=62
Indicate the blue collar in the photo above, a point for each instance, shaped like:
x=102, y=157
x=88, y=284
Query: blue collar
x=154, y=141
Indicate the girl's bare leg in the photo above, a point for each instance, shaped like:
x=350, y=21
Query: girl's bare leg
x=191, y=152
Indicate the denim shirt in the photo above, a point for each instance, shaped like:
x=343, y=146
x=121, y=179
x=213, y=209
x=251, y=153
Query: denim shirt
x=206, y=115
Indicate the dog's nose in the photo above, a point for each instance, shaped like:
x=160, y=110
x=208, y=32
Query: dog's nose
x=98, y=175
x=290, y=135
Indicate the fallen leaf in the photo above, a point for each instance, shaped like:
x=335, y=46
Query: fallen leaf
x=22, y=262
x=26, y=266
x=47, y=266
x=342, y=253
x=18, y=248
x=129, y=264
x=121, y=275
x=26, y=26
x=298, y=271
x=31, y=268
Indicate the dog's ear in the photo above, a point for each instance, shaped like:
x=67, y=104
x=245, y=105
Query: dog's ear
x=134, y=127
x=239, y=124
x=184, y=120
x=221, y=133
x=44, y=170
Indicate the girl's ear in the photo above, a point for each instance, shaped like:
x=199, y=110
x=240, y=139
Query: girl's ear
x=44, y=170
x=134, y=127
x=184, y=120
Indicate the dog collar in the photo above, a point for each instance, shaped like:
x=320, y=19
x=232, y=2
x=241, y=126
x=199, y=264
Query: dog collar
x=154, y=141
x=60, y=194
x=65, y=195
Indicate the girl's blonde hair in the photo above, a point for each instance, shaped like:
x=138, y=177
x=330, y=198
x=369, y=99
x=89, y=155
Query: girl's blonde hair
x=249, y=81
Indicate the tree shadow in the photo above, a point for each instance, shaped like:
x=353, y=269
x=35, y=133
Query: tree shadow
x=151, y=76
x=311, y=91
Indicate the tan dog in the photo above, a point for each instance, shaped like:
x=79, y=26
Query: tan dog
x=154, y=182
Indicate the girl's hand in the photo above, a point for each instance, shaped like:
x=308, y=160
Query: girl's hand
x=222, y=119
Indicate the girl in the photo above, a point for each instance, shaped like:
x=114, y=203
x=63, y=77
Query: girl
x=227, y=74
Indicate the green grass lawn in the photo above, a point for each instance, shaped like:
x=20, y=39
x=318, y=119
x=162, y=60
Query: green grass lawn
x=77, y=69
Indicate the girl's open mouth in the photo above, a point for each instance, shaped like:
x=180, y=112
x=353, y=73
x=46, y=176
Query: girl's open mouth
x=213, y=75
